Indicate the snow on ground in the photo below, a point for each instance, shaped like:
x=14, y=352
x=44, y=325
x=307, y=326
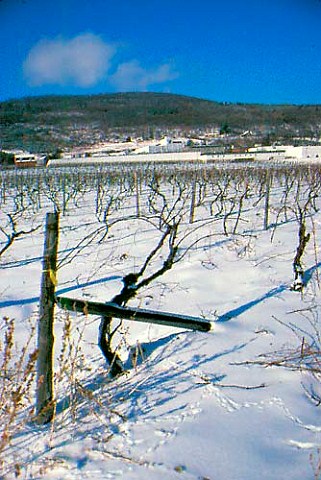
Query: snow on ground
x=191, y=405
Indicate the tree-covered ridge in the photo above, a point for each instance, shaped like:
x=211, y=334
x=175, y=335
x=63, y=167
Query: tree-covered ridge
x=44, y=123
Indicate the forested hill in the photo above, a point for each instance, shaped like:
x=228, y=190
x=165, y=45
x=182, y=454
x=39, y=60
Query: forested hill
x=50, y=122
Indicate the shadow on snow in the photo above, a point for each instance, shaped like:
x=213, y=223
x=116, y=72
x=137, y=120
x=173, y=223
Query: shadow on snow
x=235, y=312
x=27, y=301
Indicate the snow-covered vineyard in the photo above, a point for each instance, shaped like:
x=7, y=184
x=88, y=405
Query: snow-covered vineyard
x=240, y=243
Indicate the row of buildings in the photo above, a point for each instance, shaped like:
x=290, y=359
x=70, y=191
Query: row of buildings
x=286, y=153
x=170, y=151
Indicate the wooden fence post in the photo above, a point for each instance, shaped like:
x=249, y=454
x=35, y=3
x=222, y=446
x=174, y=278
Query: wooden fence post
x=268, y=184
x=193, y=202
x=45, y=395
x=137, y=191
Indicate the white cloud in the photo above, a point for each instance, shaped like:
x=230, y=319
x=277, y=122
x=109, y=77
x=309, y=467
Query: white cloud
x=81, y=61
x=132, y=76
x=84, y=61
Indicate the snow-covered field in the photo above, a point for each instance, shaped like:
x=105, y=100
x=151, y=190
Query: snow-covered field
x=240, y=402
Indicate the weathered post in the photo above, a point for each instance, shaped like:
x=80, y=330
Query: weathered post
x=193, y=202
x=137, y=190
x=45, y=404
x=267, y=200
x=64, y=195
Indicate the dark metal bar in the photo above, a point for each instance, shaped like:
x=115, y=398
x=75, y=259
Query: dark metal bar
x=136, y=314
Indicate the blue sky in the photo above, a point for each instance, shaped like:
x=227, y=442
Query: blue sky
x=257, y=51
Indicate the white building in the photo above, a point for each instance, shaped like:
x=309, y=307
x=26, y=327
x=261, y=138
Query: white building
x=19, y=158
x=289, y=152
